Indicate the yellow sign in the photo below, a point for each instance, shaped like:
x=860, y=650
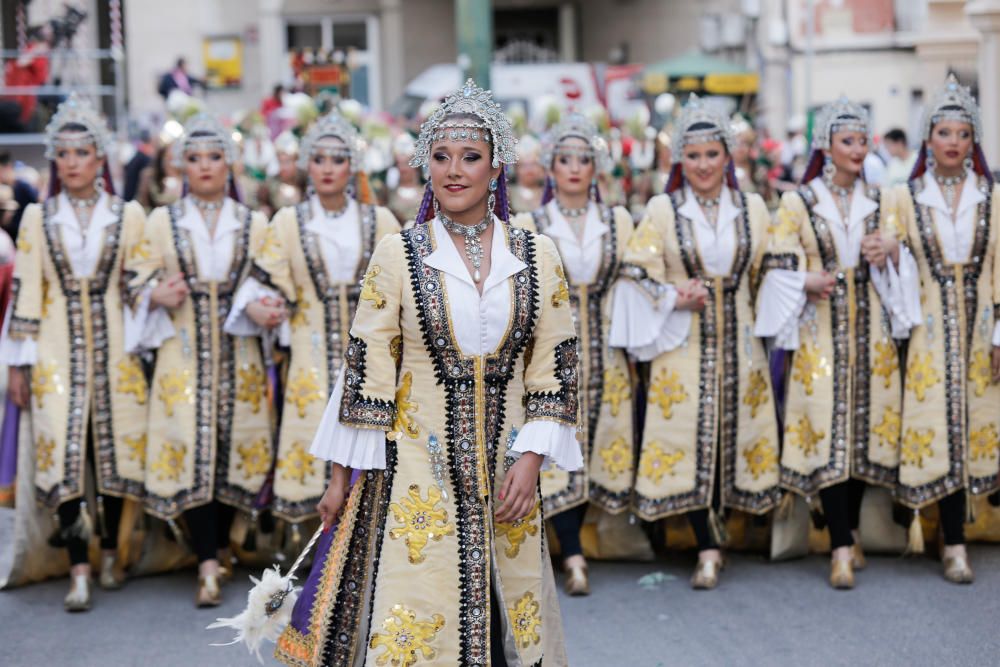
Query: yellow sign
x=731, y=84
x=655, y=83
x=223, y=61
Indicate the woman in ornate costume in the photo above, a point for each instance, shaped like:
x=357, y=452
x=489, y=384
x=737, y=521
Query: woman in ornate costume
x=686, y=303
x=950, y=428
x=459, y=380
x=591, y=239
x=405, y=189
x=64, y=341
x=209, y=449
x=835, y=246
x=529, y=176
x=314, y=259
x=285, y=187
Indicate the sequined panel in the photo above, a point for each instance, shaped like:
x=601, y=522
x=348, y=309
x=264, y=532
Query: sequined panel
x=944, y=274
x=458, y=375
x=355, y=408
x=560, y=406
x=87, y=295
x=21, y=327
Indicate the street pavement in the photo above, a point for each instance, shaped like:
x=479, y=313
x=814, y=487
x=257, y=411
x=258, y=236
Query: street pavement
x=901, y=613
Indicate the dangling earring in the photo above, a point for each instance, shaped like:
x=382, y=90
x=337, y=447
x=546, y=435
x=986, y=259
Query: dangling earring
x=491, y=203
x=931, y=162
x=829, y=168
x=593, y=189
x=968, y=164
x=350, y=190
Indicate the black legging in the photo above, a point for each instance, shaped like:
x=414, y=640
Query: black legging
x=842, y=509
x=699, y=518
x=209, y=527
x=69, y=512
x=567, y=525
x=952, y=516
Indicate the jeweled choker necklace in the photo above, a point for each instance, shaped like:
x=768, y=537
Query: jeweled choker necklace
x=473, y=240
x=572, y=212
x=78, y=203
x=208, y=206
x=337, y=212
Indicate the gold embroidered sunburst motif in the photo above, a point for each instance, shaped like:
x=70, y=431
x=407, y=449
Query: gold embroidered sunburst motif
x=525, y=620
x=885, y=362
x=645, y=240
x=980, y=373
x=44, y=380
x=300, y=318
x=761, y=458
x=369, y=292
x=255, y=458
x=303, y=390
x=23, y=246
x=655, y=462
x=889, y=428
x=561, y=295
x=422, y=521
x=616, y=457
x=175, y=387
x=518, y=531
x=136, y=447
x=804, y=436
x=810, y=366
x=252, y=386
x=403, y=424
x=269, y=246
x=984, y=443
x=920, y=375
x=170, y=461
x=785, y=226
x=617, y=389
x=916, y=447
x=666, y=391
x=131, y=379
x=396, y=349
x=405, y=639
x=758, y=392
x=44, y=453
x=298, y=464
x=140, y=250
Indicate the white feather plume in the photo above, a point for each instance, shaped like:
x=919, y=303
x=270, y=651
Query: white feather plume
x=253, y=625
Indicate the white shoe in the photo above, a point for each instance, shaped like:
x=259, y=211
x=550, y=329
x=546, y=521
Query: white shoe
x=78, y=598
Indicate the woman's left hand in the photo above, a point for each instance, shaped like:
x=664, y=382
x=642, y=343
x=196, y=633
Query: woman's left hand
x=518, y=493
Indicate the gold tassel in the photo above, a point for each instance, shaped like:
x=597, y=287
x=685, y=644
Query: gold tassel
x=915, y=544
x=250, y=541
x=364, y=188
x=717, y=528
x=784, y=509
x=177, y=532
x=102, y=522
x=296, y=536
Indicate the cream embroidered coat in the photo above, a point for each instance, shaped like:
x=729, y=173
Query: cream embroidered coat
x=291, y=262
x=209, y=419
x=844, y=397
x=951, y=408
x=417, y=550
x=82, y=380
x=709, y=400
x=605, y=381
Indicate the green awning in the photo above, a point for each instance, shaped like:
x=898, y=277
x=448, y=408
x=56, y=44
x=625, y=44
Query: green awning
x=697, y=72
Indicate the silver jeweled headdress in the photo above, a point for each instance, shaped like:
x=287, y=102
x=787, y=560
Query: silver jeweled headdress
x=332, y=125
x=840, y=116
x=494, y=126
x=695, y=112
x=954, y=102
x=577, y=125
x=210, y=134
x=77, y=111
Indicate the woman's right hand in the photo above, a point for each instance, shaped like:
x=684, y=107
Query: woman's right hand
x=819, y=285
x=268, y=312
x=170, y=293
x=332, y=502
x=18, y=387
x=691, y=296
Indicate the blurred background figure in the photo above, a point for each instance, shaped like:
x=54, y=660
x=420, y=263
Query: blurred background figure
x=901, y=158
x=22, y=193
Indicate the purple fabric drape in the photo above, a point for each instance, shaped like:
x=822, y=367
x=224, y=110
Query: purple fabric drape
x=8, y=445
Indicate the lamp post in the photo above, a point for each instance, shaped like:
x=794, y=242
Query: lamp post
x=474, y=32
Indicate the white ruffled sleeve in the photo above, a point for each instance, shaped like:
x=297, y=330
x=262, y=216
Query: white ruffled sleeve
x=644, y=326
x=556, y=442
x=16, y=352
x=146, y=329
x=780, y=302
x=899, y=290
x=357, y=448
